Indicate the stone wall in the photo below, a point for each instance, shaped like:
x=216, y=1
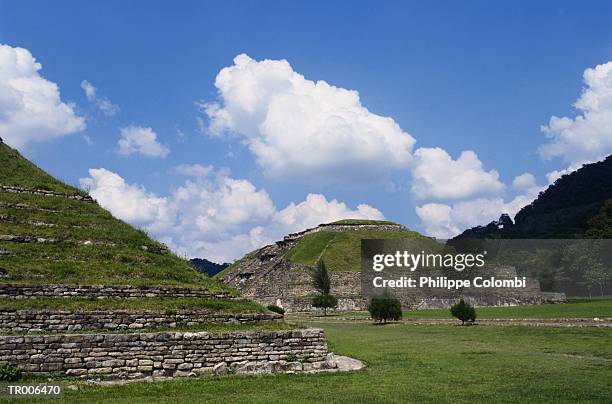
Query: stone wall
x=289, y=286
x=134, y=355
x=268, y=277
x=42, y=192
x=344, y=227
x=21, y=291
x=53, y=321
x=302, y=304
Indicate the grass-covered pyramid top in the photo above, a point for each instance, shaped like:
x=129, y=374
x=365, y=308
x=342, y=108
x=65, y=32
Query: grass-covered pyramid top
x=55, y=239
x=341, y=249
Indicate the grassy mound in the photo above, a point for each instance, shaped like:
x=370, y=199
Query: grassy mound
x=83, y=243
x=341, y=249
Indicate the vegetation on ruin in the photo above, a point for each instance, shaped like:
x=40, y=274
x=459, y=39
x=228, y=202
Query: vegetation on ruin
x=276, y=309
x=135, y=304
x=341, y=250
x=361, y=221
x=179, y=327
x=85, y=243
x=18, y=171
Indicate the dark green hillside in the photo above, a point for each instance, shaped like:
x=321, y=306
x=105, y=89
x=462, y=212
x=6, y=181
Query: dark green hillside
x=576, y=206
x=600, y=225
x=207, y=267
x=569, y=208
x=57, y=239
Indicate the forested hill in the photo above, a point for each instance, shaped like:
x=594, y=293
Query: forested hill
x=208, y=267
x=577, y=205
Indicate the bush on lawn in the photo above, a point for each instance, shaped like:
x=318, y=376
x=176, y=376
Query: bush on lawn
x=384, y=308
x=464, y=312
x=276, y=309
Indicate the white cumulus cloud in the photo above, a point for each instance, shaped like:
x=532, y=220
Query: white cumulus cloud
x=213, y=215
x=127, y=202
x=588, y=136
x=193, y=170
x=101, y=102
x=304, y=130
x=435, y=175
x=31, y=109
x=316, y=209
x=448, y=220
x=141, y=140
x=524, y=181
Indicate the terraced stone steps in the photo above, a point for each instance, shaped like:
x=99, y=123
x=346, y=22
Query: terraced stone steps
x=25, y=206
x=24, y=291
x=62, y=321
x=42, y=192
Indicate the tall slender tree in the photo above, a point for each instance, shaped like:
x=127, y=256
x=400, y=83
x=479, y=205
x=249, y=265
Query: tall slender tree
x=322, y=283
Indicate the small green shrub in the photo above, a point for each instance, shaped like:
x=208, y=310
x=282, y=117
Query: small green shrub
x=9, y=372
x=385, y=308
x=276, y=309
x=463, y=311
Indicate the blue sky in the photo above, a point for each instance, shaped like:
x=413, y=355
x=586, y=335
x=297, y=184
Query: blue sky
x=480, y=76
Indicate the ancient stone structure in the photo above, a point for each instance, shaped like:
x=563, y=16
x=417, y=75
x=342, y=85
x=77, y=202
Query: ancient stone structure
x=57, y=321
x=265, y=275
x=134, y=355
x=24, y=291
x=120, y=343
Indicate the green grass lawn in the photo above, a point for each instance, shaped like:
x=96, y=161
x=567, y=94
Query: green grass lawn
x=575, y=308
x=414, y=364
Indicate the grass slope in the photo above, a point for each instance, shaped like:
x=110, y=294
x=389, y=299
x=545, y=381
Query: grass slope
x=92, y=247
x=341, y=250
x=413, y=364
x=15, y=170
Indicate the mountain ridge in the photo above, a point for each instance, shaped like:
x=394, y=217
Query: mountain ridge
x=564, y=210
